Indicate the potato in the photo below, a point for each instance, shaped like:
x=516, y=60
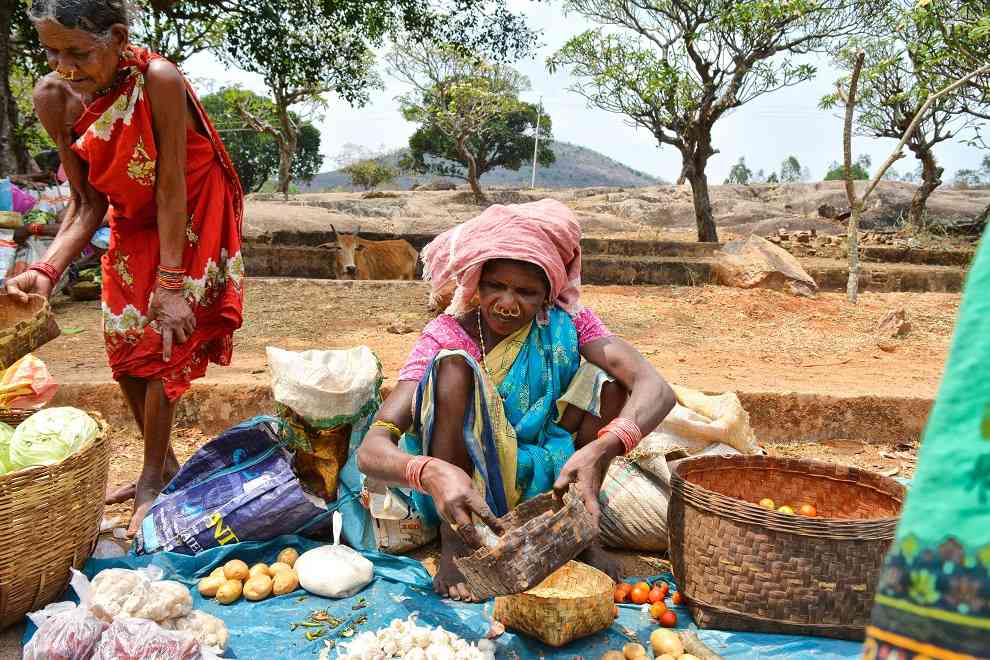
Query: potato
x=235, y=569
x=258, y=587
x=218, y=572
x=613, y=655
x=288, y=557
x=666, y=641
x=260, y=569
x=285, y=582
x=688, y=656
x=209, y=586
x=666, y=656
x=229, y=592
x=634, y=651
x=278, y=566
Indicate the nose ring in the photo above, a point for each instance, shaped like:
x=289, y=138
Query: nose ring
x=71, y=75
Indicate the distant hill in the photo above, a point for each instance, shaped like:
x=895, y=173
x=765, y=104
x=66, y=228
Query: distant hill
x=576, y=167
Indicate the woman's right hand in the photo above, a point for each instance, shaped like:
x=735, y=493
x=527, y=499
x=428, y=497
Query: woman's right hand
x=30, y=281
x=456, y=500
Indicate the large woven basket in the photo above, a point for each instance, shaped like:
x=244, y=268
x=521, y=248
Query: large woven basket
x=539, y=537
x=49, y=521
x=742, y=567
x=574, y=602
x=24, y=327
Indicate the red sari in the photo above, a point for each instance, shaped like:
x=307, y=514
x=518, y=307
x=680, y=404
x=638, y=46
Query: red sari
x=116, y=139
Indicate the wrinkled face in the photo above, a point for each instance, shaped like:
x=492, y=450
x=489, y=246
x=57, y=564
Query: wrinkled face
x=345, y=248
x=511, y=294
x=82, y=59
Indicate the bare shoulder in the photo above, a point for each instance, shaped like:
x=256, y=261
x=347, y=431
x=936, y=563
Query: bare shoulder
x=57, y=106
x=163, y=80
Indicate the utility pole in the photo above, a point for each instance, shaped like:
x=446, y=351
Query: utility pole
x=536, y=142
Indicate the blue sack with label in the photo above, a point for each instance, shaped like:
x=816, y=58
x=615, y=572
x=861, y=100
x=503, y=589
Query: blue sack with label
x=238, y=487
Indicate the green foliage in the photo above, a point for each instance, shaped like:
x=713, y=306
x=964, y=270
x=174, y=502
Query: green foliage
x=739, y=173
x=179, y=30
x=369, y=174
x=860, y=170
x=790, y=170
x=678, y=66
x=256, y=155
x=506, y=142
x=773, y=178
x=974, y=178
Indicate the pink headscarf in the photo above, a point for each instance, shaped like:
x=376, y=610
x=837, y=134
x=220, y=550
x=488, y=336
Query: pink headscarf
x=544, y=233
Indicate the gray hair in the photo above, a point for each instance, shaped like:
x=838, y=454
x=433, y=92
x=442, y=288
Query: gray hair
x=94, y=16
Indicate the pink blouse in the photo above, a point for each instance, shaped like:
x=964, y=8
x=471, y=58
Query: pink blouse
x=445, y=333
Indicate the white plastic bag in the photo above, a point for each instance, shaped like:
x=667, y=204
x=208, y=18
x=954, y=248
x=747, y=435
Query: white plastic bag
x=66, y=631
x=399, y=527
x=142, y=594
x=334, y=571
x=323, y=385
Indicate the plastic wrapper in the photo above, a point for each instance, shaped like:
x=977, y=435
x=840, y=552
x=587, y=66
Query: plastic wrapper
x=27, y=385
x=118, y=592
x=66, y=631
x=138, y=639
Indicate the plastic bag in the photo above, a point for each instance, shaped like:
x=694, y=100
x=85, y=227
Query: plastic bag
x=27, y=385
x=139, y=639
x=66, y=631
x=399, y=528
x=719, y=418
x=142, y=594
x=334, y=571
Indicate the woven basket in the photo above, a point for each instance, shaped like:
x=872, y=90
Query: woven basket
x=24, y=327
x=742, y=567
x=14, y=416
x=539, y=538
x=49, y=521
x=580, y=604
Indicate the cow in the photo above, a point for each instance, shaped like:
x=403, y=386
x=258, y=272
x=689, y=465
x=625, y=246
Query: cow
x=360, y=259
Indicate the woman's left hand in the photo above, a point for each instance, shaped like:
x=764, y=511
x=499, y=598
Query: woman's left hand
x=587, y=468
x=176, y=321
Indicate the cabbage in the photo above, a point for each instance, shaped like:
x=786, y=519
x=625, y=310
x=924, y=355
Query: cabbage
x=5, y=433
x=50, y=436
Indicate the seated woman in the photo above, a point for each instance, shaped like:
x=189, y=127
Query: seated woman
x=496, y=400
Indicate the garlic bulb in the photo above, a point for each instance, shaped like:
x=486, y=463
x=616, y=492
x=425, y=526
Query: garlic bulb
x=405, y=640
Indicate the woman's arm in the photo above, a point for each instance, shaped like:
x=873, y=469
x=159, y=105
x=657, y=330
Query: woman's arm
x=87, y=206
x=169, y=113
x=650, y=400
x=379, y=457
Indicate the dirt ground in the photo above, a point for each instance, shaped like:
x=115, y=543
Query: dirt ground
x=710, y=338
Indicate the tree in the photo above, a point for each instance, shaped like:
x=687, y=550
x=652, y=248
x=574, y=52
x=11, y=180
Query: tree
x=678, y=66
x=256, y=155
x=773, y=178
x=179, y=30
x=974, y=178
x=369, y=174
x=507, y=142
x=894, y=85
x=790, y=170
x=462, y=101
x=739, y=173
x=860, y=170
x=22, y=62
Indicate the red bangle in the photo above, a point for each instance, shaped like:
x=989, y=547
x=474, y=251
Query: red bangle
x=36, y=229
x=47, y=270
x=625, y=430
x=414, y=471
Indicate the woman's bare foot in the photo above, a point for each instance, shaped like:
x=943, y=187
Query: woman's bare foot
x=125, y=493
x=596, y=557
x=449, y=582
x=145, y=493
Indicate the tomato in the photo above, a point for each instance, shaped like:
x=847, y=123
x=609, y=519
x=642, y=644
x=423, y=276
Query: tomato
x=668, y=619
x=808, y=510
x=767, y=503
x=640, y=593
x=621, y=594
x=786, y=510
x=656, y=594
x=664, y=588
x=677, y=598
x=657, y=610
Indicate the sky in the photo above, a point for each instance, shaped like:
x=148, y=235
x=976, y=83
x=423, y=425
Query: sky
x=764, y=131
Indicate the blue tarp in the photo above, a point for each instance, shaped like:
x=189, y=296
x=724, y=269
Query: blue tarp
x=402, y=586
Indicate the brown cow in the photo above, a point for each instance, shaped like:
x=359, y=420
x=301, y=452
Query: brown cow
x=360, y=259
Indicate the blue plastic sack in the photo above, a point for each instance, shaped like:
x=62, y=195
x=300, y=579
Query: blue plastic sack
x=101, y=239
x=238, y=487
x=6, y=196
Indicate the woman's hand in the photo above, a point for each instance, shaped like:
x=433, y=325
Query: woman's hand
x=586, y=468
x=30, y=281
x=456, y=500
x=175, y=318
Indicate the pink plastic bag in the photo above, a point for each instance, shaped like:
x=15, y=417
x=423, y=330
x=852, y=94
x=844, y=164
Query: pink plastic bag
x=27, y=385
x=66, y=631
x=138, y=639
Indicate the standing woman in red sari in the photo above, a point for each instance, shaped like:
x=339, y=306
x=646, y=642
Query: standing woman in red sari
x=135, y=141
